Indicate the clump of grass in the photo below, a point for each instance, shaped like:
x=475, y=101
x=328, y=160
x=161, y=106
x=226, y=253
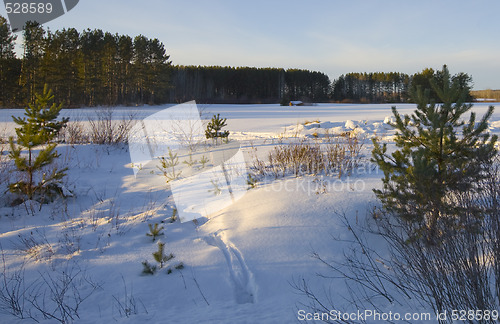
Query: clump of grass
x=332, y=155
x=307, y=122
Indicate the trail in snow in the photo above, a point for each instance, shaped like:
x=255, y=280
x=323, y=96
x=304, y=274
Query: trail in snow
x=241, y=277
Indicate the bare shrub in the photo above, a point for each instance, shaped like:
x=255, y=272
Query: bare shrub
x=36, y=246
x=59, y=296
x=105, y=130
x=104, y=209
x=12, y=290
x=366, y=272
x=128, y=305
x=54, y=295
x=75, y=133
x=462, y=272
x=71, y=236
x=258, y=165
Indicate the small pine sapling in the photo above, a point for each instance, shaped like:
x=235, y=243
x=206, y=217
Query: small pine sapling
x=190, y=162
x=160, y=256
x=204, y=161
x=37, y=132
x=173, y=218
x=178, y=266
x=155, y=231
x=168, y=165
x=148, y=269
x=216, y=188
x=214, y=128
x=252, y=181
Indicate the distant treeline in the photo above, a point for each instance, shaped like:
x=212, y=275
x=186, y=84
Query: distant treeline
x=215, y=84
x=93, y=67
x=83, y=69
x=371, y=87
x=487, y=94
x=393, y=87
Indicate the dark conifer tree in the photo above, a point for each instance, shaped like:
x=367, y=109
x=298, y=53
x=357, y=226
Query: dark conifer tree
x=37, y=132
x=439, y=158
x=9, y=65
x=124, y=61
x=140, y=67
x=34, y=43
x=214, y=128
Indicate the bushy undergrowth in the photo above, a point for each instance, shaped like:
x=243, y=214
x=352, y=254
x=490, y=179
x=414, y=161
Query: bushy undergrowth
x=334, y=155
x=102, y=128
x=461, y=273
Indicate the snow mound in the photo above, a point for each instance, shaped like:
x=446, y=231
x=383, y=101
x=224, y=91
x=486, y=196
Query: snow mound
x=349, y=124
x=388, y=120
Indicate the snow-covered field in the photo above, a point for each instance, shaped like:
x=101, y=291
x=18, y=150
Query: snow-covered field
x=240, y=264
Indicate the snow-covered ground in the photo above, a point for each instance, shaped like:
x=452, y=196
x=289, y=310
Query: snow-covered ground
x=240, y=264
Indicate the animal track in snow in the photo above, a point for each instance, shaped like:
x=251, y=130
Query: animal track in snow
x=239, y=273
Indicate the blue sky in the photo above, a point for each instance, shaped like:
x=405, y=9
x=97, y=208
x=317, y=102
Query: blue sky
x=334, y=37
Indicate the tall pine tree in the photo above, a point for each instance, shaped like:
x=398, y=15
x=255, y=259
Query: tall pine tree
x=125, y=55
x=34, y=45
x=7, y=40
x=434, y=163
x=9, y=65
